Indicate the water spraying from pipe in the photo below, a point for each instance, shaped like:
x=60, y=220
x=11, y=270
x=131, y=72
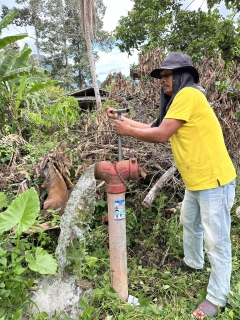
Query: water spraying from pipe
x=59, y=294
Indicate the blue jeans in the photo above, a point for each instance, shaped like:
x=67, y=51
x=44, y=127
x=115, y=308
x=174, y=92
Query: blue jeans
x=205, y=215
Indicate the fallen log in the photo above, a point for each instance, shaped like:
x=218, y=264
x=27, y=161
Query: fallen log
x=147, y=202
x=238, y=211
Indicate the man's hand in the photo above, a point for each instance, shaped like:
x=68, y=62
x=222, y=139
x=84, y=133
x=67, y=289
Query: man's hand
x=110, y=114
x=122, y=128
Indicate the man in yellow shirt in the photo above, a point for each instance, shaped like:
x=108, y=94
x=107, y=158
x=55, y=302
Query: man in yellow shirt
x=187, y=119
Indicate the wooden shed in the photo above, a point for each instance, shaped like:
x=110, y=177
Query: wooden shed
x=86, y=97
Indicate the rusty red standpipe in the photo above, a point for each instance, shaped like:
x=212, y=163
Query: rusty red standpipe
x=115, y=174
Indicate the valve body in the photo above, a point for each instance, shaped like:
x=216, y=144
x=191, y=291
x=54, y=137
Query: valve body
x=116, y=173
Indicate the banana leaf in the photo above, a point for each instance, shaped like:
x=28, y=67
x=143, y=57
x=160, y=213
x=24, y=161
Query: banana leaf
x=11, y=39
x=7, y=19
x=39, y=86
x=7, y=63
x=20, y=93
x=23, y=57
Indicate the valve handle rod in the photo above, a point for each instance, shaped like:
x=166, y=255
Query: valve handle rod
x=119, y=111
x=119, y=142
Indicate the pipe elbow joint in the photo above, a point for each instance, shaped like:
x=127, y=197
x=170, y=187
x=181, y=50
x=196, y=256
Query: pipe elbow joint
x=115, y=174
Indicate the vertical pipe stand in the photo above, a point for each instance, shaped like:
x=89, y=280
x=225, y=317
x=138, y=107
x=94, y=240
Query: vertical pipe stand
x=118, y=244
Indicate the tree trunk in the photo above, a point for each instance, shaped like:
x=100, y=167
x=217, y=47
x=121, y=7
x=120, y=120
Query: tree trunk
x=93, y=71
x=88, y=16
x=37, y=45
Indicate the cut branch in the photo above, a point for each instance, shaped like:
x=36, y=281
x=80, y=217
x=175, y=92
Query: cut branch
x=147, y=202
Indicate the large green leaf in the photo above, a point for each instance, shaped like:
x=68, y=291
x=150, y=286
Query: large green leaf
x=38, y=70
x=1, y=56
x=11, y=39
x=7, y=19
x=3, y=200
x=43, y=262
x=22, y=212
x=16, y=73
x=23, y=57
x=7, y=63
x=39, y=86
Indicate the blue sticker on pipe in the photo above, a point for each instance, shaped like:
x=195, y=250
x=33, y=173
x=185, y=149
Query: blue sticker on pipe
x=119, y=210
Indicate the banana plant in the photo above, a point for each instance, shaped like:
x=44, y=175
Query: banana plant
x=17, y=77
x=3, y=24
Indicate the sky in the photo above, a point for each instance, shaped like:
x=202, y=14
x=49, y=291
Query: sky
x=114, y=61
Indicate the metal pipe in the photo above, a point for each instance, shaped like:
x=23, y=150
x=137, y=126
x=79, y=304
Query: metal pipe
x=115, y=174
x=119, y=142
x=119, y=111
x=117, y=244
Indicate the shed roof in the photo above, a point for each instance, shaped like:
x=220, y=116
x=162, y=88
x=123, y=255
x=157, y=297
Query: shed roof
x=88, y=94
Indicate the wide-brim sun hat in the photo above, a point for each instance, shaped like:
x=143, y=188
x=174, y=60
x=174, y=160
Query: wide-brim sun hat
x=175, y=61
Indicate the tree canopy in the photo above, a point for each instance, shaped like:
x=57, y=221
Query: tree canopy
x=230, y=4
x=153, y=24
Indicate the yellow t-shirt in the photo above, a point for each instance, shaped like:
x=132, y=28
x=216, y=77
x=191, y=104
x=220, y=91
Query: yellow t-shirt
x=198, y=146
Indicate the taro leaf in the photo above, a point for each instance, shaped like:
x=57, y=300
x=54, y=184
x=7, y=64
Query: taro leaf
x=43, y=262
x=22, y=212
x=3, y=200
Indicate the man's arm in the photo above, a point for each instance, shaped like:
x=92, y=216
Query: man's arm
x=128, y=121
x=155, y=135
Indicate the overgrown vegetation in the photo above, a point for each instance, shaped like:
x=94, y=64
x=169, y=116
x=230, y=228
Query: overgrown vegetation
x=154, y=238
x=151, y=24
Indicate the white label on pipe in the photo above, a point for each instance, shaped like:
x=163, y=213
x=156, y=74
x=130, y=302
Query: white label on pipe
x=119, y=209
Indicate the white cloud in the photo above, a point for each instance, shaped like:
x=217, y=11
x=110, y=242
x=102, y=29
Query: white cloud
x=115, y=9
x=114, y=61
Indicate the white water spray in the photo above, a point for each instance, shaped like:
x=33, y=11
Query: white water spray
x=59, y=294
